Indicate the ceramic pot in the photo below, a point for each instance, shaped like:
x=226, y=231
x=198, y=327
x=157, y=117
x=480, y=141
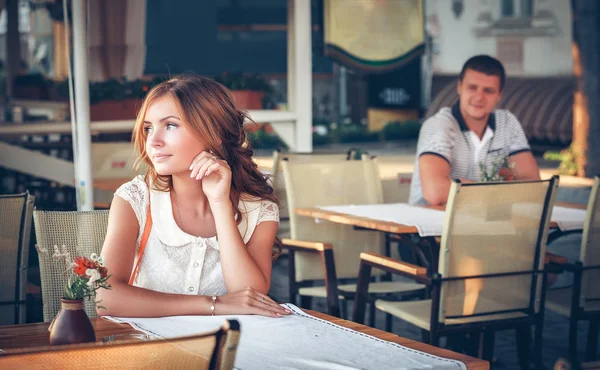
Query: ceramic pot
x=71, y=324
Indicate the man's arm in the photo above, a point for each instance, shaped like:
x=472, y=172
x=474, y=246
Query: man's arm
x=522, y=161
x=434, y=171
x=524, y=166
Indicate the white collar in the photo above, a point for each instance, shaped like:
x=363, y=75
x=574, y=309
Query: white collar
x=167, y=230
x=480, y=144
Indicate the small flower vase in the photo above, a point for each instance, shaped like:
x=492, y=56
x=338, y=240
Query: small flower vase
x=71, y=324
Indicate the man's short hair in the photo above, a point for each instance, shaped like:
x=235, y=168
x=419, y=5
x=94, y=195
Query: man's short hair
x=485, y=64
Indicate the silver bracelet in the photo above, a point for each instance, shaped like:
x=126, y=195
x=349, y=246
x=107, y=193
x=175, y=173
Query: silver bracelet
x=212, y=306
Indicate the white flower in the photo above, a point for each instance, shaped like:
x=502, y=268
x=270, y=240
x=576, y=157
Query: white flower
x=94, y=276
x=96, y=258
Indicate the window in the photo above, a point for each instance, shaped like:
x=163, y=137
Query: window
x=516, y=8
x=508, y=8
x=526, y=8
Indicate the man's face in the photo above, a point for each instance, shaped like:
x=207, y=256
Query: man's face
x=479, y=94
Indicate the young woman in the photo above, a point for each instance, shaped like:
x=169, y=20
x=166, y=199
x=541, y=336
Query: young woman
x=195, y=235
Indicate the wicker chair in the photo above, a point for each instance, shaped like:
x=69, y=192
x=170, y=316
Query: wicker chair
x=212, y=350
x=490, y=267
x=82, y=233
x=312, y=245
x=581, y=302
x=15, y=229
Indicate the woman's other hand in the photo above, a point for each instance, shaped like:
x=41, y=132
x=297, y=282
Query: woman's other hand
x=249, y=302
x=215, y=175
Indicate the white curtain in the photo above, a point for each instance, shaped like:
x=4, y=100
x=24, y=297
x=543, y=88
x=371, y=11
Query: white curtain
x=117, y=39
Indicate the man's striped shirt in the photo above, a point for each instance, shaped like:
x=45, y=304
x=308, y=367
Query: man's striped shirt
x=446, y=135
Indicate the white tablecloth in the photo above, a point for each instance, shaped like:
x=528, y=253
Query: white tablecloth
x=568, y=218
x=430, y=222
x=298, y=341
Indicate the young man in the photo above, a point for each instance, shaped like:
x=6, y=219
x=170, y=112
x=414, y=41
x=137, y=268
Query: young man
x=457, y=141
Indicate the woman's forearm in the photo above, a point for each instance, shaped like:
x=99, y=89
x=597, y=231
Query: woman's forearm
x=239, y=268
x=130, y=301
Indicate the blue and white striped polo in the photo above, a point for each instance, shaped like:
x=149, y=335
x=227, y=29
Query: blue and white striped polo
x=446, y=135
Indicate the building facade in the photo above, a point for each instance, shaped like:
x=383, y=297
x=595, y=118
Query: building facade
x=531, y=37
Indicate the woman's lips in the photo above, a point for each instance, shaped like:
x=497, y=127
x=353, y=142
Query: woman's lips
x=160, y=157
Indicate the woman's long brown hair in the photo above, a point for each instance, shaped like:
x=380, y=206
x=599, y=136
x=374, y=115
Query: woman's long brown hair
x=208, y=110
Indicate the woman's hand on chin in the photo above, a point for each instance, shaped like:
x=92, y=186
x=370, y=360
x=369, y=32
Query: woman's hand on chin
x=249, y=301
x=215, y=174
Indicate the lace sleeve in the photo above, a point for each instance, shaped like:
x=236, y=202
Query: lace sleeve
x=135, y=192
x=269, y=211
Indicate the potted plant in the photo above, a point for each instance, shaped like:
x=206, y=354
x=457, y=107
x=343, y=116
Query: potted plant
x=117, y=99
x=85, y=276
x=114, y=99
x=248, y=89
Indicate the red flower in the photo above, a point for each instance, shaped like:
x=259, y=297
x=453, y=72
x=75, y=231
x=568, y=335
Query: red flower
x=81, y=264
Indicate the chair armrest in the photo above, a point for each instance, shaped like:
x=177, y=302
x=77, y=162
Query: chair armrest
x=394, y=266
x=325, y=250
x=555, y=258
x=554, y=263
x=305, y=246
x=571, y=267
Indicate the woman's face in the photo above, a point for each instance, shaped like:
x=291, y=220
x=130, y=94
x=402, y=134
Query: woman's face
x=170, y=145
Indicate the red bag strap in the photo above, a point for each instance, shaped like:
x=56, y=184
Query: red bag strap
x=143, y=243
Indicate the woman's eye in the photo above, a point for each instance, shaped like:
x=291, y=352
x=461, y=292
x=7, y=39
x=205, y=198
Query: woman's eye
x=171, y=126
x=147, y=129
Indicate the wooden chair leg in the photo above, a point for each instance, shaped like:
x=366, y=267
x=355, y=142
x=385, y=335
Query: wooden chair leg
x=362, y=293
x=372, y=313
x=592, y=340
x=524, y=346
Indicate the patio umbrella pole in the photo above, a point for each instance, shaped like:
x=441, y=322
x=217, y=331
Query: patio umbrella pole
x=83, y=162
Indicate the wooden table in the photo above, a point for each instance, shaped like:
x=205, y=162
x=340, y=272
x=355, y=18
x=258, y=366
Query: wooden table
x=385, y=226
x=429, y=248
x=33, y=335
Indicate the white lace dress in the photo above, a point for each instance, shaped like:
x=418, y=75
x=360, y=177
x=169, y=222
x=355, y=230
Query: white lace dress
x=177, y=262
